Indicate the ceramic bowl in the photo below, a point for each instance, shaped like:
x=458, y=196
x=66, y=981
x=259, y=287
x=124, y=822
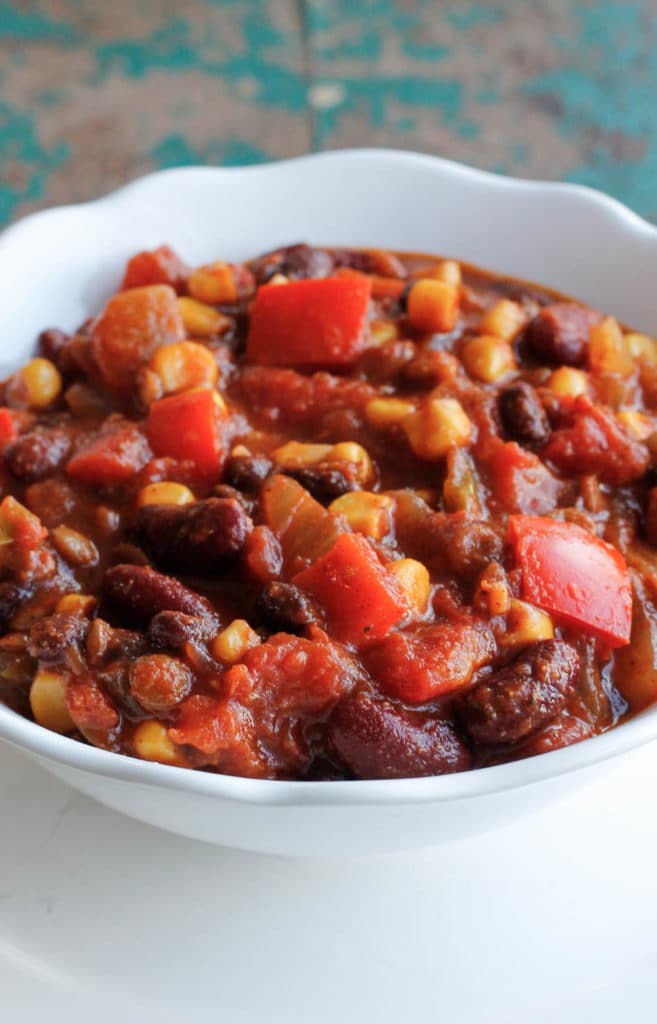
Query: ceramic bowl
x=57, y=267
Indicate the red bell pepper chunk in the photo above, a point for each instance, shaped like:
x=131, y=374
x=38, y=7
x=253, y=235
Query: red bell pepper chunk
x=580, y=579
x=186, y=427
x=309, y=323
x=8, y=430
x=114, y=456
x=362, y=600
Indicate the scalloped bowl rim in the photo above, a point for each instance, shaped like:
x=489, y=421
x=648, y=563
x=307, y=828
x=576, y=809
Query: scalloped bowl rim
x=77, y=755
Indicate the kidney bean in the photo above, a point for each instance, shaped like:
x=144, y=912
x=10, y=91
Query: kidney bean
x=560, y=333
x=51, y=342
x=198, y=537
x=38, y=453
x=51, y=636
x=173, y=629
x=523, y=696
x=375, y=739
x=285, y=607
x=523, y=417
x=139, y=592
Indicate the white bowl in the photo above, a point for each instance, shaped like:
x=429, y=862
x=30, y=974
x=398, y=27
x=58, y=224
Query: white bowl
x=58, y=267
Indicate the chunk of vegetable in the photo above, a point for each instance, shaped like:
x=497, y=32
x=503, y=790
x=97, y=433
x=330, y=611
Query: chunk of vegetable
x=132, y=326
x=304, y=527
x=187, y=427
x=362, y=599
x=116, y=453
x=154, y=266
x=309, y=323
x=574, y=575
x=431, y=662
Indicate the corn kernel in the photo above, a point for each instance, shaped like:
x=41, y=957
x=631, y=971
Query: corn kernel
x=184, y=365
x=234, y=641
x=568, y=382
x=166, y=492
x=214, y=282
x=387, y=412
x=365, y=512
x=448, y=271
x=278, y=279
x=525, y=623
x=504, y=319
x=75, y=547
x=637, y=423
x=438, y=425
x=382, y=331
x=151, y=743
x=200, y=319
x=493, y=589
x=641, y=346
x=433, y=306
x=240, y=451
x=48, y=700
x=488, y=358
x=355, y=455
x=76, y=604
x=36, y=385
x=296, y=453
x=608, y=349
x=415, y=582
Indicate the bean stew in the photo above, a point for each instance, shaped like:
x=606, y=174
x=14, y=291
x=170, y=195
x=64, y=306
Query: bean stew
x=330, y=514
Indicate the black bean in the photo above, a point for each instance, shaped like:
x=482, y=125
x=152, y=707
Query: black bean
x=285, y=607
x=326, y=482
x=375, y=739
x=246, y=472
x=11, y=596
x=51, y=636
x=295, y=261
x=523, y=417
x=38, y=453
x=200, y=537
x=522, y=697
x=138, y=592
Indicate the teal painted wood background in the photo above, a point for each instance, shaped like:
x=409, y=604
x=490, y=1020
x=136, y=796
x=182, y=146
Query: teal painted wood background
x=96, y=92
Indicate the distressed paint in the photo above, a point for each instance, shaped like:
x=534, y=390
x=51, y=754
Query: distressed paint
x=93, y=94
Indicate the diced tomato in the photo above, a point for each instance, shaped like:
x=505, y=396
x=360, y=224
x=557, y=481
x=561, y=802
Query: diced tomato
x=309, y=323
x=520, y=481
x=115, y=455
x=593, y=441
x=361, y=599
x=131, y=327
x=8, y=430
x=186, y=427
x=89, y=707
x=19, y=525
x=431, y=662
x=155, y=266
x=574, y=575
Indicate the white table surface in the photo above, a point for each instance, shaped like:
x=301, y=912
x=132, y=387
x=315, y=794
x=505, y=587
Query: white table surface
x=553, y=919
